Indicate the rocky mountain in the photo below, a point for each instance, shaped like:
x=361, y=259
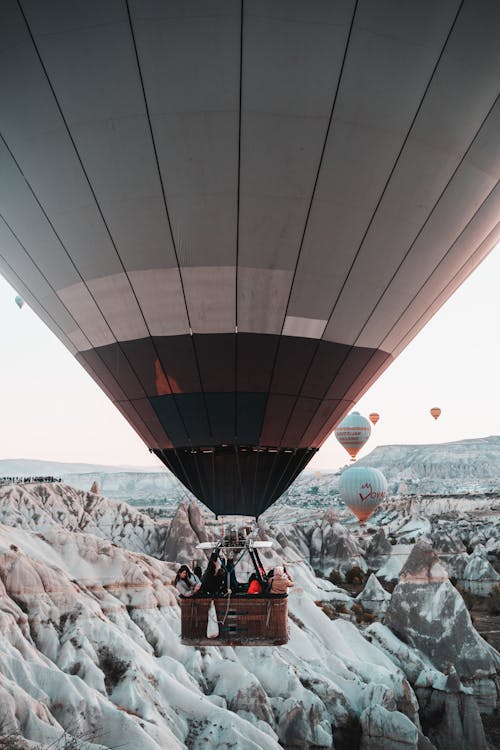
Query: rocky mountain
x=443, y=468
x=37, y=467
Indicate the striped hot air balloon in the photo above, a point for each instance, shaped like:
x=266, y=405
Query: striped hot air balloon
x=353, y=432
x=362, y=489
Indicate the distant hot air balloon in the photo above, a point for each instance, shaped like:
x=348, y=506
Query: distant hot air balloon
x=435, y=411
x=19, y=301
x=353, y=432
x=374, y=417
x=362, y=489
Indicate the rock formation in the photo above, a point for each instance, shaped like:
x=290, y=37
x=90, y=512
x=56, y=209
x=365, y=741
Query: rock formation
x=187, y=529
x=387, y=730
x=333, y=548
x=52, y=506
x=378, y=550
x=428, y=613
x=449, y=713
x=374, y=598
x=479, y=576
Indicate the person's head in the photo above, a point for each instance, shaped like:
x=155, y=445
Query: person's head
x=198, y=571
x=278, y=571
x=182, y=573
x=253, y=577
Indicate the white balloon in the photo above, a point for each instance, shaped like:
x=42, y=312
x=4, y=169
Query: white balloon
x=362, y=489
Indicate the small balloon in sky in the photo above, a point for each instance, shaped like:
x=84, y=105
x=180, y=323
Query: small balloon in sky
x=362, y=489
x=374, y=417
x=353, y=432
x=435, y=412
x=19, y=301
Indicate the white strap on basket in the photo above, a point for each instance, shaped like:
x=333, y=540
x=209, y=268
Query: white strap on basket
x=212, y=624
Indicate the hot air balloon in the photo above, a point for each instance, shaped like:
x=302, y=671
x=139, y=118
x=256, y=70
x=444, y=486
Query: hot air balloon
x=435, y=412
x=362, y=489
x=19, y=301
x=234, y=262
x=353, y=432
x=374, y=417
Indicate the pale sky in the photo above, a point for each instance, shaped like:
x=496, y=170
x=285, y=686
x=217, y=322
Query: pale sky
x=51, y=409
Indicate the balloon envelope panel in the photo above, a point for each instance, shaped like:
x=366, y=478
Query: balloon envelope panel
x=236, y=220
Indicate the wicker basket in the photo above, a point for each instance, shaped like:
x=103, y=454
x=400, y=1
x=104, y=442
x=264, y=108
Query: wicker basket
x=249, y=620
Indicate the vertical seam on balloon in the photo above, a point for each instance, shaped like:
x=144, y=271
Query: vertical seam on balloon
x=320, y=162
x=313, y=192
x=382, y=195
x=436, y=267
x=49, y=82
x=157, y=160
x=385, y=364
x=238, y=473
x=379, y=201
x=98, y=379
x=396, y=161
x=431, y=213
x=167, y=213
x=94, y=349
x=434, y=271
x=352, y=346
x=304, y=459
x=238, y=192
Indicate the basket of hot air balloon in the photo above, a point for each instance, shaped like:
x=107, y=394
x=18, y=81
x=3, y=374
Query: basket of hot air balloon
x=353, y=432
x=362, y=489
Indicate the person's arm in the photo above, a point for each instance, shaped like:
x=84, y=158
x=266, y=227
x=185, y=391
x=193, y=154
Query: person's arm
x=183, y=588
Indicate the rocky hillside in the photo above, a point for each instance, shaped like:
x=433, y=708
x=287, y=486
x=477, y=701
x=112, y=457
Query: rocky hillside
x=445, y=468
x=90, y=641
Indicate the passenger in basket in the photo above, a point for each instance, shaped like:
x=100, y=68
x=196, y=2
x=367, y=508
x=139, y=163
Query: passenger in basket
x=220, y=582
x=254, y=585
x=233, y=581
x=186, y=583
x=280, y=582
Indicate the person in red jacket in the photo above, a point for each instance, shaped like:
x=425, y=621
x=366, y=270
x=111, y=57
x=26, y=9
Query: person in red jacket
x=254, y=585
